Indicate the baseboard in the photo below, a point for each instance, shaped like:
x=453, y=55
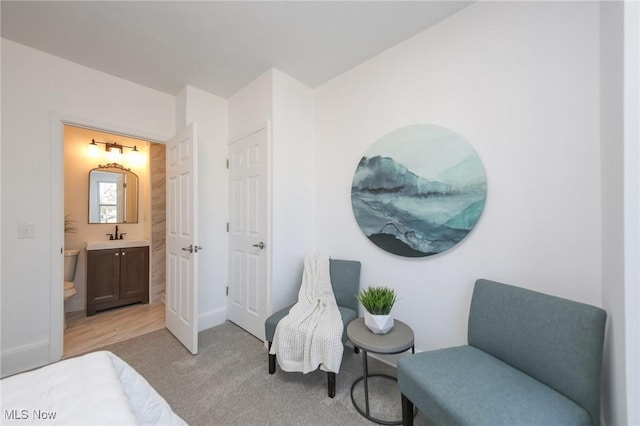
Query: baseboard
x=211, y=318
x=25, y=357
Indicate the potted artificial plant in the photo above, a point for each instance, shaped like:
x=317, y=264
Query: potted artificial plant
x=69, y=225
x=377, y=302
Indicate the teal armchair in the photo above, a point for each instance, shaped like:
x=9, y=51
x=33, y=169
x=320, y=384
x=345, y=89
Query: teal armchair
x=345, y=281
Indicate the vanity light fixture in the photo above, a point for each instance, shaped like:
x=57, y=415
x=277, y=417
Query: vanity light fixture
x=115, y=150
x=114, y=147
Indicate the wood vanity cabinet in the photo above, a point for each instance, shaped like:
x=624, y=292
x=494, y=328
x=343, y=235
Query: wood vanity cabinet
x=117, y=277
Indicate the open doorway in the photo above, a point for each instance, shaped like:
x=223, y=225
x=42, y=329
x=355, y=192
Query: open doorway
x=141, y=218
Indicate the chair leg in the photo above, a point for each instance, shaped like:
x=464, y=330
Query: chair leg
x=407, y=411
x=331, y=384
x=272, y=361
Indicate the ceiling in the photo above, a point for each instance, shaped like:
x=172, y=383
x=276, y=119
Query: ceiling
x=218, y=46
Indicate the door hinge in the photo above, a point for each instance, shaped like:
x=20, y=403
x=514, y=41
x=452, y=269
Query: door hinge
x=227, y=163
x=227, y=226
x=227, y=290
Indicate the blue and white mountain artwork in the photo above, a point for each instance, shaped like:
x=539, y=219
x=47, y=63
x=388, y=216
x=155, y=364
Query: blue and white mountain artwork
x=412, y=216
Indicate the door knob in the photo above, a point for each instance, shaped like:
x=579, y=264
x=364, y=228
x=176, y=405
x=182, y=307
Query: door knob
x=192, y=248
x=260, y=245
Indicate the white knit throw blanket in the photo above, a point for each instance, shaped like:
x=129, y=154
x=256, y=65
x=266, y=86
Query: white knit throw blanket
x=310, y=336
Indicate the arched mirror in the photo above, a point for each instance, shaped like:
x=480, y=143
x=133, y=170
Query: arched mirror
x=113, y=194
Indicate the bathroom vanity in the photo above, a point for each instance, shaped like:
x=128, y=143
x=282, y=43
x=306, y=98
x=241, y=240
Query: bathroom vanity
x=117, y=274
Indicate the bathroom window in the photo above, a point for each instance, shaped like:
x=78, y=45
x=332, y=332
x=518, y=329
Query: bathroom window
x=108, y=202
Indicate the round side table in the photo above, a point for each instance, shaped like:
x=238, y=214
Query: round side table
x=399, y=339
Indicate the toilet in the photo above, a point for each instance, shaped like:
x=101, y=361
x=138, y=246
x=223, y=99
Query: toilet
x=70, y=263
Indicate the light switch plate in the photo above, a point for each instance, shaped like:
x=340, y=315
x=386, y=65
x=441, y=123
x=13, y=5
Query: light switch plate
x=26, y=230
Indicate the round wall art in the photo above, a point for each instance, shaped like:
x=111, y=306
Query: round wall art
x=418, y=191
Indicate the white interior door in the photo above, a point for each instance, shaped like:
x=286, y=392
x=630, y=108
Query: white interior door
x=248, y=231
x=181, y=303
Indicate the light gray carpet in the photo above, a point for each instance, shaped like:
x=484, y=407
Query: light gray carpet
x=227, y=383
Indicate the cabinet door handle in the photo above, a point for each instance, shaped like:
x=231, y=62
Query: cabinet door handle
x=118, y=254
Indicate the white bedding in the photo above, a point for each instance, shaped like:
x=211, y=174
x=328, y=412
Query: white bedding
x=95, y=389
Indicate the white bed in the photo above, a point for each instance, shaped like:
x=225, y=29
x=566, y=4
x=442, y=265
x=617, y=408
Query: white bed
x=95, y=389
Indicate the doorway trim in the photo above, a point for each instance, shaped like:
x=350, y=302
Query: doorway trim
x=57, y=121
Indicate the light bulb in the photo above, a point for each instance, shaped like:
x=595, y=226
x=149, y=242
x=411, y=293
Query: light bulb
x=135, y=157
x=114, y=154
x=93, y=150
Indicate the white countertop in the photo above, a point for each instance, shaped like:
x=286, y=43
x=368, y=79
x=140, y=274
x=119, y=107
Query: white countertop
x=111, y=244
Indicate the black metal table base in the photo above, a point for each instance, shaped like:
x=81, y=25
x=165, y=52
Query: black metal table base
x=365, y=378
x=365, y=413
x=399, y=340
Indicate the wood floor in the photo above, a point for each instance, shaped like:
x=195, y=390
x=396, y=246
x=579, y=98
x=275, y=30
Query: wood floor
x=84, y=334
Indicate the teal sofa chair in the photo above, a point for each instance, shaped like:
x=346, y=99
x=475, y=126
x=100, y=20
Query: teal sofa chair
x=531, y=359
x=345, y=282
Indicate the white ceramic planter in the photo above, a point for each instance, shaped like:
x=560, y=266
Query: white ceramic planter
x=378, y=324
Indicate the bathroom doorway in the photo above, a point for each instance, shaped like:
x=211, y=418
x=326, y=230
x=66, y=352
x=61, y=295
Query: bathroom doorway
x=85, y=149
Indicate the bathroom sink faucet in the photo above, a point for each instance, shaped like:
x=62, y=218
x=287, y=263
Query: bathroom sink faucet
x=117, y=236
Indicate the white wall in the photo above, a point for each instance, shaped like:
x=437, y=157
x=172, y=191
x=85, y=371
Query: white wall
x=612, y=158
x=251, y=107
x=293, y=173
x=209, y=112
x=38, y=89
x=519, y=81
x=631, y=212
